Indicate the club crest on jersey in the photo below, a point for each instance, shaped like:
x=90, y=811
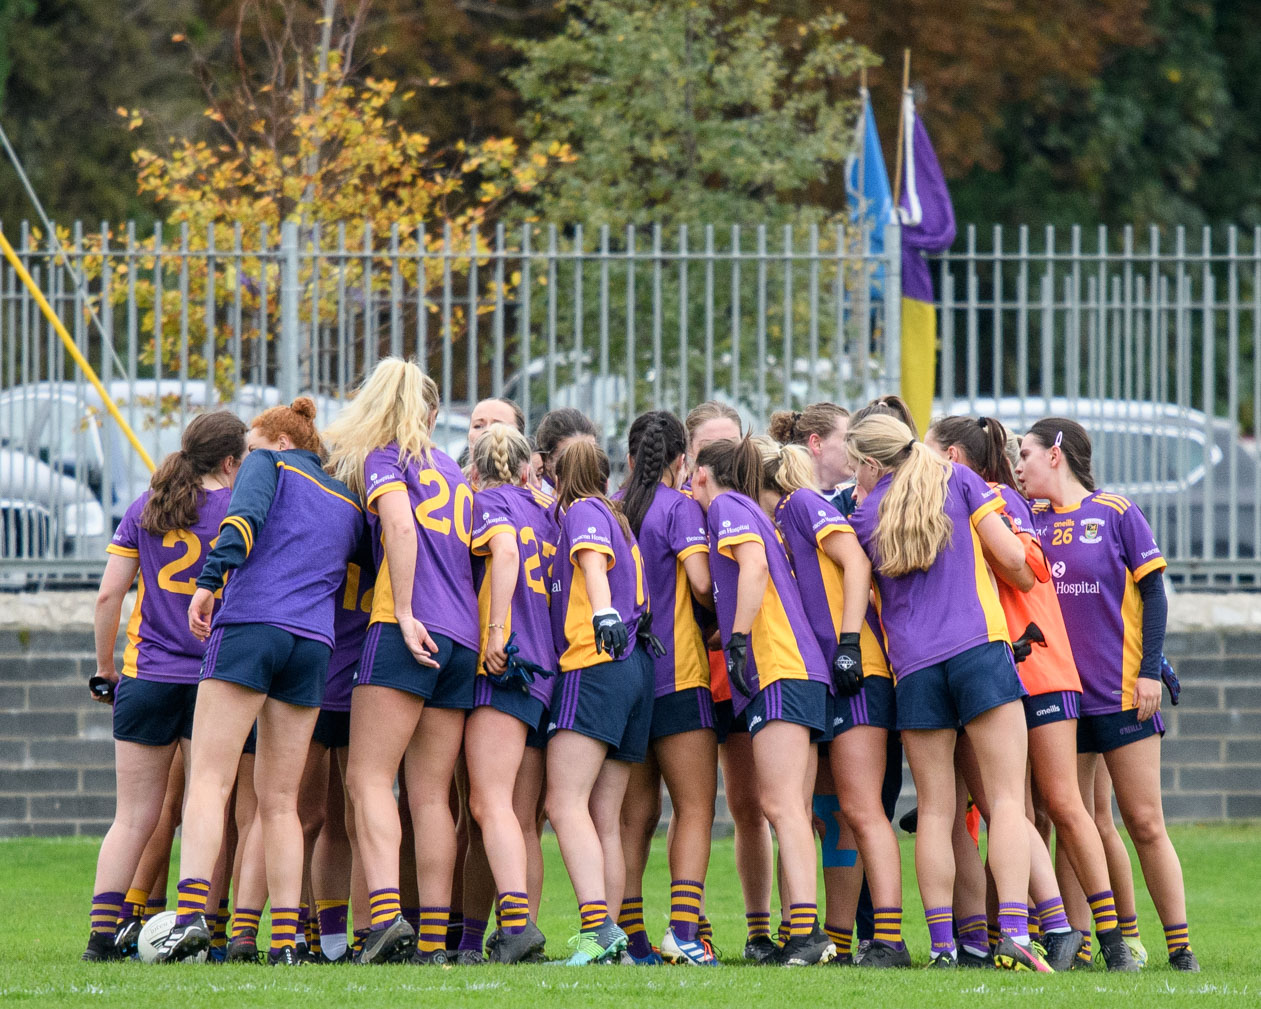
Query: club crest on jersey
x=1058, y=569
x=1090, y=531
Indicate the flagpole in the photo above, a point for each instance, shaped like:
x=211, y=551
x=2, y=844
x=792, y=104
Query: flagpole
x=897, y=171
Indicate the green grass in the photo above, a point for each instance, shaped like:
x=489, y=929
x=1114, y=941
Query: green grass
x=44, y=888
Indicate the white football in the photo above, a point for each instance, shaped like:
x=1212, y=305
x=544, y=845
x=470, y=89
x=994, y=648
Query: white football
x=155, y=930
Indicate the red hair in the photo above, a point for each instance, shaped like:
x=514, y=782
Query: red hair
x=297, y=421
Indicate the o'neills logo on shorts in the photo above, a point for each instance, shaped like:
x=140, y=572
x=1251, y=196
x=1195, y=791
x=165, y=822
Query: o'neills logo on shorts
x=755, y=720
x=1129, y=729
x=1078, y=588
x=1052, y=710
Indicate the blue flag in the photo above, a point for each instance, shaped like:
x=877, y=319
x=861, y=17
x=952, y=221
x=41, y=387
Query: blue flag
x=867, y=180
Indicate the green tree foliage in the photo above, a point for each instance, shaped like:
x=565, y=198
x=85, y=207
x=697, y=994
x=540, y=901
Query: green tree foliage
x=689, y=112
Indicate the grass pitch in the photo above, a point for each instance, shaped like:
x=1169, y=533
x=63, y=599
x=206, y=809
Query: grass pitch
x=45, y=887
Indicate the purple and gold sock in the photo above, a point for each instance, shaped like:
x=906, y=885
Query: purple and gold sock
x=888, y=930
x=972, y=935
x=784, y=931
x=685, y=908
x=305, y=924
x=332, y=916
x=284, y=927
x=154, y=905
x=1129, y=927
x=245, y=919
x=801, y=919
x=705, y=930
x=191, y=900
x=432, y=934
x=940, y=930
x=630, y=919
x=107, y=907
x=1013, y=921
x=1103, y=907
x=383, y=906
x=134, y=903
x=1034, y=923
x=758, y=924
x=472, y=935
x=219, y=936
x=514, y=912
x=994, y=935
x=455, y=930
x=357, y=938
x=842, y=938
x=1051, y=915
x=1177, y=936
x=592, y=913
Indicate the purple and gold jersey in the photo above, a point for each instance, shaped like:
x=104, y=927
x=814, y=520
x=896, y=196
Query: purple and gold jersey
x=589, y=525
x=674, y=529
x=350, y=626
x=1099, y=551
x=159, y=644
x=517, y=512
x=443, y=596
x=782, y=645
x=289, y=531
x=929, y=616
x=805, y=518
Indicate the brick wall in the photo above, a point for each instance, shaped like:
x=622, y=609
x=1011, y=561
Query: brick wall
x=56, y=753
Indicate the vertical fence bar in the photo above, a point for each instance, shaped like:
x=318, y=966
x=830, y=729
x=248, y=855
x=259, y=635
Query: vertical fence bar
x=709, y=313
x=497, y=321
x=632, y=371
x=996, y=315
x=605, y=384
x=1233, y=367
x=658, y=362
x=735, y=313
x=525, y=332
x=289, y=323
x=1208, y=394
x=760, y=358
x=684, y=398
x=786, y=397
x=396, y=296
x=472, y=324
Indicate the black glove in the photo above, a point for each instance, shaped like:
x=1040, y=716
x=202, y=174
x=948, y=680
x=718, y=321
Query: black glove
x=1022, y=647
x=1170, y=679
x=847, y=666
x=610, y=633
x=737, y=649
x=644, y=636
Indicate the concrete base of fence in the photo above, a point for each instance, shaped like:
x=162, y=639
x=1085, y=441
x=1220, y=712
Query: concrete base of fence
x=56, y=750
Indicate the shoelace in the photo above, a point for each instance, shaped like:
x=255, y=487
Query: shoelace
x=587, y=944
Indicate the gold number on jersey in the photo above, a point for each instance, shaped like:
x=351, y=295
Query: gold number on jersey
x=191, y=555
x=532, y=561
x=426, y=511
x=639, y=575
x=350, y=598
x=1061, y=537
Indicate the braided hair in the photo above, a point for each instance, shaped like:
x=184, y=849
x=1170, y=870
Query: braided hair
x=500, y=454
x=656, y=439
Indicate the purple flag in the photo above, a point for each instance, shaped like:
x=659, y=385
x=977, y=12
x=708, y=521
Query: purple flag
x=928, y=218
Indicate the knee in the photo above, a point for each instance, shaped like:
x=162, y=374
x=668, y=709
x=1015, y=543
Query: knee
x=1146, y=826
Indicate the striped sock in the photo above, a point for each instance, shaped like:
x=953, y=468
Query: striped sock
x=593, y=913
x=384, y=907
x=758, y=924
x=107, y=906
x=1085, y=952
x=284, y=927
x=705, y=931
x=802, y=919
x=1034, y=922
x=783, y=932
x=993, y=934
x=888, y=927
x=357, y=938
x=1104, y=909
x=514, y=910
x=245, y=920
x=1013, y=921
x=154, y=905
x=332, y=915
x=432, y=934
x=455, y=930
x=192, y=900
x=685, y=908
x=1129, y=927
x=842, y=938
x=972, y=935
x=1052, y=917
x=134, y=903
x=411, y=915
x=630, y=919
x=304, y=918
x=940, y=929
x=219, y=937
x=472, y=934
x=1177, y=936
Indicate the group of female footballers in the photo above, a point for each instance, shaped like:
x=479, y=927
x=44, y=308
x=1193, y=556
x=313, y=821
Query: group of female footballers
x=321, y=615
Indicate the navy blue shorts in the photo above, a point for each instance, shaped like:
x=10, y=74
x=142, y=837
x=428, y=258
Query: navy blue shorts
x=152, y=713
x=1101, y=733
x=536, y=735
x=725, y=721
x=251, y=741
x=611, y=702
x=517, y=703
x=386, y=662
x=802, y=702
x=269, y=659
x=1056, y=706
x=682, y=711
x=332, y=729
x=873, y=705
x=952, y=693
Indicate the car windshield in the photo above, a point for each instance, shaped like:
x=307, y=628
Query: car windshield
x=1134, y=458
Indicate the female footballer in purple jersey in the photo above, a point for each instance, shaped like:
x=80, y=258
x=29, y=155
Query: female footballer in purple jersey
x=1111, y=591
x=834, y=577
x=778, y=675
x=683, y=746
x=1050, y=675
x=164, y=537
x=924, y=523
x=289, y=524
x=516, y=535
x=415, y=679
x=602, y=703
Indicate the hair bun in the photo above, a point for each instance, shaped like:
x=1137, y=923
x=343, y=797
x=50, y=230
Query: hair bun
x=304, y=406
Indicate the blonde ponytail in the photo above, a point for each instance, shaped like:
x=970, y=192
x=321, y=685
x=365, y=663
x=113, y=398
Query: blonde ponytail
x=787, y=468
x=912, y=526
x=499, y=455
